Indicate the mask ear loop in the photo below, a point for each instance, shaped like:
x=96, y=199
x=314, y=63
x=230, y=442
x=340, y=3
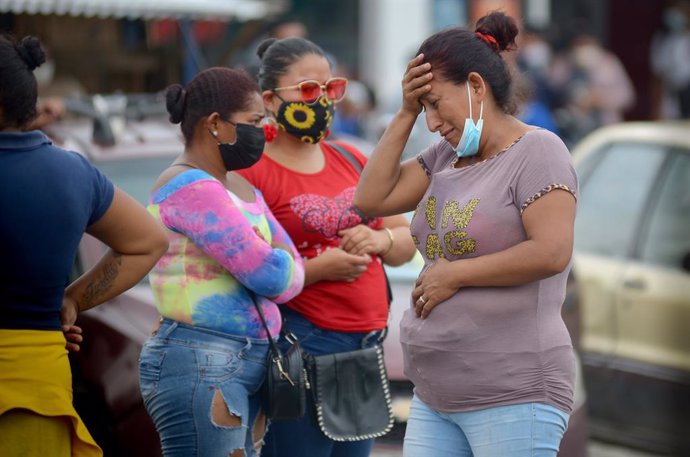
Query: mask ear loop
x=481, y=105
x=469, y=100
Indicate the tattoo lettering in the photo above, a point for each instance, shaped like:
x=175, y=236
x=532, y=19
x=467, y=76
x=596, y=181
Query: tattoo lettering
x=101, y=285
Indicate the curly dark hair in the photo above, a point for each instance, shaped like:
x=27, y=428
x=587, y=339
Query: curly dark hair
x=18, y=88
x=216, y=90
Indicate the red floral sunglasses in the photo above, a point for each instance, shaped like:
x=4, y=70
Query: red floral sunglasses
x=311, y=90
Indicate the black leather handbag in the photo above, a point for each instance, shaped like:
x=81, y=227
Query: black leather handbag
x=351, y=394
x=283, y=391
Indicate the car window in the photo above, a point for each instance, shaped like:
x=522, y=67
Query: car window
x=668, y=239
x=136, y=176
x=613, y=197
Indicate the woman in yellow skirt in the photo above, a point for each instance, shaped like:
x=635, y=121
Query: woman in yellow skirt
x=48, y=198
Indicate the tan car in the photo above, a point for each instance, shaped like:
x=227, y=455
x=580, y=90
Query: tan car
x=632, y=277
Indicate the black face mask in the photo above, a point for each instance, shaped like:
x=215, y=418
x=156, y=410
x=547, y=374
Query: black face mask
x=246, y=150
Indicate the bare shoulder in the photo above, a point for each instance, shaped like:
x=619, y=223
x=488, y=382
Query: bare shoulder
x=168, y=174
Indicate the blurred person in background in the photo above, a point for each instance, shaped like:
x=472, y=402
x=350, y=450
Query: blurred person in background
x=49, y=198
x=595, y=87
x=534, y=58
x=201, y=370
x=309, y=186
x=353, y=109
x=532, y=85
x=483, y=340
x=530, y=108
x=283, y=27
x=355, y=120
x=670, y=63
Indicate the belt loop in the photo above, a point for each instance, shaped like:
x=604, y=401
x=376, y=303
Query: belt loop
x=172, y=325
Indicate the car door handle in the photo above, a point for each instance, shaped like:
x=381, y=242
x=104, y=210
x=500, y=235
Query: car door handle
x=637, y=284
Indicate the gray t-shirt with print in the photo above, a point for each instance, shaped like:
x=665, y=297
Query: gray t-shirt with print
x=490, y=346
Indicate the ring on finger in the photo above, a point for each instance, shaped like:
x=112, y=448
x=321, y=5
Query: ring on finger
x=422, y=299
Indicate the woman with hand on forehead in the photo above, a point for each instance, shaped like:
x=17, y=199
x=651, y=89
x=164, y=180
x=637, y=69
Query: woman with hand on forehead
x=483, y=340
x=309, y=184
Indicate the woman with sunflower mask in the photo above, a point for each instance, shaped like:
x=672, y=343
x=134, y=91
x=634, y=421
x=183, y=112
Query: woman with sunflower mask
x=309, y=184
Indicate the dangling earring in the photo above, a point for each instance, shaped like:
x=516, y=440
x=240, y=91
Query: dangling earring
x=270, y=129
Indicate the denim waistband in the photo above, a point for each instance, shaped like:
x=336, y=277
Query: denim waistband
x=365, y=338
x=175, y=330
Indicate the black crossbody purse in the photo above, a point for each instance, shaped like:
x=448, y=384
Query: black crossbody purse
x=284, y=389
x=350, y=389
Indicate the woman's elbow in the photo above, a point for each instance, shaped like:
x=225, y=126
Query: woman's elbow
x=557, y=261
x=363, y=206
x=279, y=276
x=159, y=243
x=405, y=254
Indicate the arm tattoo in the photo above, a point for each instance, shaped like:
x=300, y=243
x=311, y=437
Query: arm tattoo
x=101, y=284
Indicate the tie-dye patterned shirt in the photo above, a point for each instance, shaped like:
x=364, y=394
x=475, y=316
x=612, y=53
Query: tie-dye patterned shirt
x=216, y=255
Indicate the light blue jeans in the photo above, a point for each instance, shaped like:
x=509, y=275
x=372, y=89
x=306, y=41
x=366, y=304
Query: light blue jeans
x=183, y=370
x=523, y=430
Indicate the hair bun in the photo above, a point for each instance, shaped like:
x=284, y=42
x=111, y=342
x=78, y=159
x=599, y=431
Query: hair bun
x=175, y=97
x=263, y=47
x=29, y=49
x=501, y=27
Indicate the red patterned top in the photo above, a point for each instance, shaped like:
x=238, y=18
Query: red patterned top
x=313, y=207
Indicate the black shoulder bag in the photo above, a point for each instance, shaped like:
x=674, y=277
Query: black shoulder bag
x=284, y=389
x=350, y=389
x=351, y=394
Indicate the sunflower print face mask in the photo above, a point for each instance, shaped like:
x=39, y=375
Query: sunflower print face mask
x=308, y=123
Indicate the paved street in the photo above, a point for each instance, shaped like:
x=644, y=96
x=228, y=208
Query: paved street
x=596, y=449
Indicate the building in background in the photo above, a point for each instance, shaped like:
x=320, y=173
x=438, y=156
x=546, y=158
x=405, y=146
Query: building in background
x=155, y=42
x=120, y=45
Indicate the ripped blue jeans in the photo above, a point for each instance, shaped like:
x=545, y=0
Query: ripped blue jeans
x=191, y=378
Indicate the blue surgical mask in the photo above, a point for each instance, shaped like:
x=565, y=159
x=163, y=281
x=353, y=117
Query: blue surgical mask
x=472, y=133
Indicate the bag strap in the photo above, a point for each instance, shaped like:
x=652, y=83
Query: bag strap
x=275, y=350
x=348, y=155
x=358, y=166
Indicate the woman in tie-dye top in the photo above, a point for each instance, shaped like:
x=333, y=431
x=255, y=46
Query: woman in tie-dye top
x=201, y=369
